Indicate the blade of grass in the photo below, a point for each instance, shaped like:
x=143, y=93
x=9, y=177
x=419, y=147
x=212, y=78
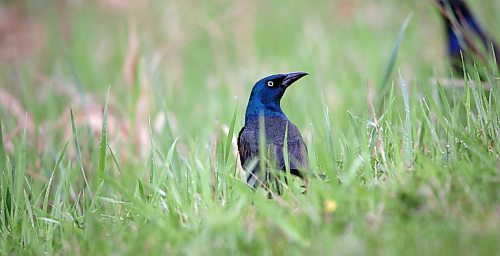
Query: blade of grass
x=383, y=87
x=103, y=145
x=49, y=184
x=29, y=210
x=262, y=176
x=426, y=113
x=467, y=103
x=407, y=138
x=115, y=161
x=230, y=135
x=286, y=159
x=3, y=156
x=326, y=115
x=170, y=154
x=104, y=141
x=152, y=156
x=5, y=204
x=20, y=172
x=79, y=151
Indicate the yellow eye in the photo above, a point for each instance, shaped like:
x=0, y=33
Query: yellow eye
x=270, y=84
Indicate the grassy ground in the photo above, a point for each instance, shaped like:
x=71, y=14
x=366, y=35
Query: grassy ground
x=159, y=174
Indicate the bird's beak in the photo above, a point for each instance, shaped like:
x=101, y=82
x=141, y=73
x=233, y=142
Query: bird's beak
x=292, y=77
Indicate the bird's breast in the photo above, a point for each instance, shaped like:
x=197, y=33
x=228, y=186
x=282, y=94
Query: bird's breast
x=275, y=129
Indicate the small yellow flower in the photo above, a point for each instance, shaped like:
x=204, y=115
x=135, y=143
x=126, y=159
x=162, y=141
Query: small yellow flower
x=330, y=205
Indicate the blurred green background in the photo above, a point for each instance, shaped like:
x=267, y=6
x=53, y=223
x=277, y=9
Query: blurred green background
x=196, y=57
x=177, y=71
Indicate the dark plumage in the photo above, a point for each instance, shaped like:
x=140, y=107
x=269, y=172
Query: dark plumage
x=264, y=104
x=462, y=31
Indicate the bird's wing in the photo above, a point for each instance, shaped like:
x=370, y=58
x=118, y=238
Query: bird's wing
x=249, y=159
x=297, y=151
x=297, y=155
x=243, y=148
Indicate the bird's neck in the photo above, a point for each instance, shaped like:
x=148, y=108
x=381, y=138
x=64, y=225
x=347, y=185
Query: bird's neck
x=256, y=108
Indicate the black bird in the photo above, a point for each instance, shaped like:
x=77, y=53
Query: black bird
x=462, y=32
x=264, y=104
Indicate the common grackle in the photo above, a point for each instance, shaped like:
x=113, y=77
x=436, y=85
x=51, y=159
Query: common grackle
x=264, y=110
x=462, y=32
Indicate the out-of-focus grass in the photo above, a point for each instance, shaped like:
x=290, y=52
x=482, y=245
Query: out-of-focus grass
x=161, y=176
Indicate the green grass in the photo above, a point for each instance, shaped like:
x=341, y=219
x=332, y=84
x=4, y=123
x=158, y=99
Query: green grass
x=118, y=132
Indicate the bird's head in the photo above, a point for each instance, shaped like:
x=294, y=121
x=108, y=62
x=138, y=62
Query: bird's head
x=267, y=92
